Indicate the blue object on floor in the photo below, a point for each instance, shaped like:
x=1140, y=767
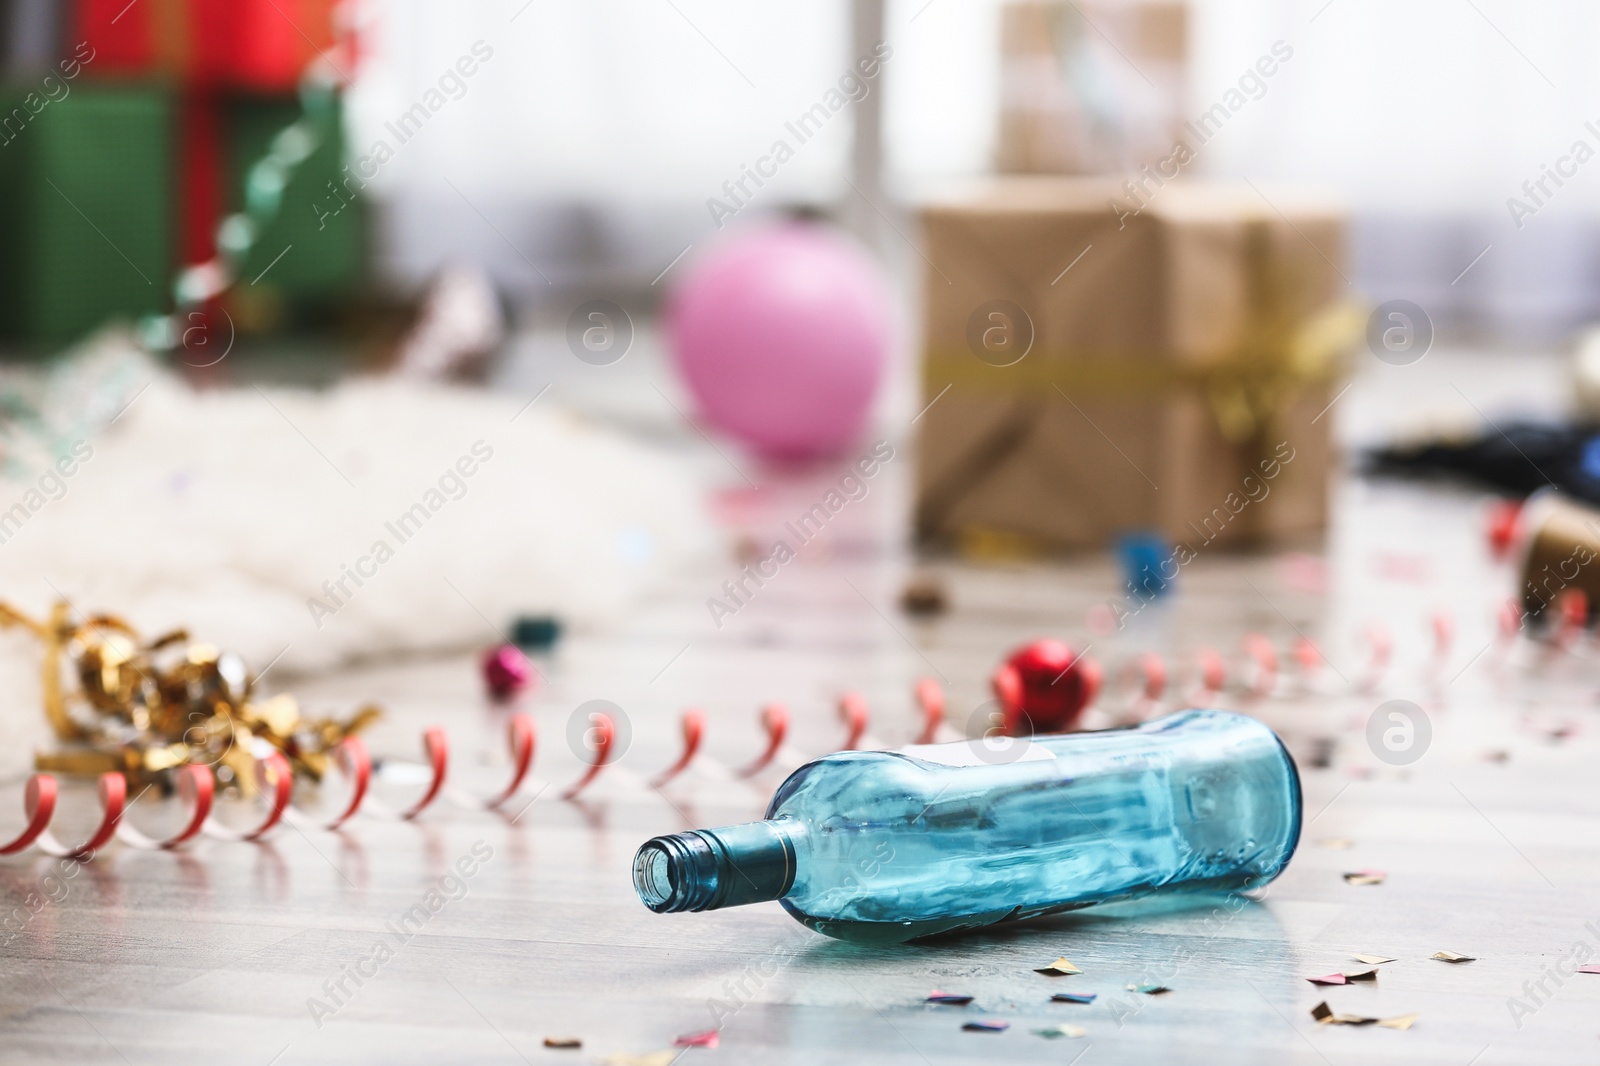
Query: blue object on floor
x=885, y=847
x=1590, y=462
x=535, y=632
x=1143, y=556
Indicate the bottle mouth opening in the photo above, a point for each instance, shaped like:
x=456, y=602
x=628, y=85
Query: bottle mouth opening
x=652, y=877
x=675, y=873
x=711, y=868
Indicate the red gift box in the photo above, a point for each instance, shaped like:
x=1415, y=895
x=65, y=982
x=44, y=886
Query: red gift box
x=264, y=45
x=208, y=46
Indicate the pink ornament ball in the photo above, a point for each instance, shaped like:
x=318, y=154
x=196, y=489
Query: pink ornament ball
x=506, y=671
x=782, y=335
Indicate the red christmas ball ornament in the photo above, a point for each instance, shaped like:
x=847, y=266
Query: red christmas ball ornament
x=506, y=671
x=1045, y=687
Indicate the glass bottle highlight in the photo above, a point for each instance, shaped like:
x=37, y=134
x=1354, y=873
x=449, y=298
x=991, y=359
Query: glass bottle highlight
x=888, y=846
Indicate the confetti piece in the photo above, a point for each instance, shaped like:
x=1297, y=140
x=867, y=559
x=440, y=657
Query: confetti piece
x=1325, y=1015
x=562, y=1042
x=1060, y=968
x=1149, y=990
x=1082, y=997
x=1589, y=969
x=986, y=1027
x=708, y=1038
x=1345, y=978
x=1336, y=843
x=953, y=999
x=653, y=1058
x=1450, y=956
x=1365, y=877
x=1372, y=960
x=1073, y=1031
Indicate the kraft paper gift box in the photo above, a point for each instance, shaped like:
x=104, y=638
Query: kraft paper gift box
x=1091, y=86
x=1091, y=370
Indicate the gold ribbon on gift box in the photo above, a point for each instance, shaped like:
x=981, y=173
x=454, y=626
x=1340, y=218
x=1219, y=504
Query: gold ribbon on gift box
x=1245, y=389
x=1281, y=347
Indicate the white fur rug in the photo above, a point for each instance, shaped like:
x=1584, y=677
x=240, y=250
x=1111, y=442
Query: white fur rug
x=242, y=514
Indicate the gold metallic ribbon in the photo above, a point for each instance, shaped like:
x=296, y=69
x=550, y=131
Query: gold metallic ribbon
x=147, y=707
x=1246, y=388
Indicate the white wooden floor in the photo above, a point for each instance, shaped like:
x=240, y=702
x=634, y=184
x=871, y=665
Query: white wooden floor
x=1491, y=842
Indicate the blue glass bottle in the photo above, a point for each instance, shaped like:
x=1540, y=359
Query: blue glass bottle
x=888, y=846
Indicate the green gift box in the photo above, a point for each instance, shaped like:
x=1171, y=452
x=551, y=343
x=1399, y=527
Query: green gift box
x=86, y=235
x=314, y=248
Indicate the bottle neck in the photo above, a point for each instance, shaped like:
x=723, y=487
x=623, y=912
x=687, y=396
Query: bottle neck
x=712, y=868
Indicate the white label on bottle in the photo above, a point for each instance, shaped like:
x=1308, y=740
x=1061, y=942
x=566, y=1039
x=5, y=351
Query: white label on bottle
x=983, y=751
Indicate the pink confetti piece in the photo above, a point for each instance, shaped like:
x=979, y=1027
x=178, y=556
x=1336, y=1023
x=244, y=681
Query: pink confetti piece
x=709, y=1039
x=953, y=999
x=986, y=1027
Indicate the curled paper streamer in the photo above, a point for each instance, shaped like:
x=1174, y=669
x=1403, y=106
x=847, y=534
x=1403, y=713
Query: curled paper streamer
x=930, y=697
x=39, y=802
x=1259, y=650
x=520, y=740
x=853, y=712
x=605, y=733
x=350, y=757
x=1382, y=645
x=694, y=728
x=775, y=721
x=275, y=772
x=436, y=745
x=198, y=787
x=113, y=792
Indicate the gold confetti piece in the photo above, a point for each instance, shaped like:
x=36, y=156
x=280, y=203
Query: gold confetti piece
x=562, y=1042
x=1072, y=1031
x=1060, y=968
x=1450, y=956
x=1372, y=960
x=1325, y=1015
x=1365, y=877
x=1336, y=843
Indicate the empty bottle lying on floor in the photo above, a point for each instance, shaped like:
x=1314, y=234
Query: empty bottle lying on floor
x=889, y=846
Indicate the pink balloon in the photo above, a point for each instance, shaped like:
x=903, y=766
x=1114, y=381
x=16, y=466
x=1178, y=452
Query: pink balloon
x=782, y=335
